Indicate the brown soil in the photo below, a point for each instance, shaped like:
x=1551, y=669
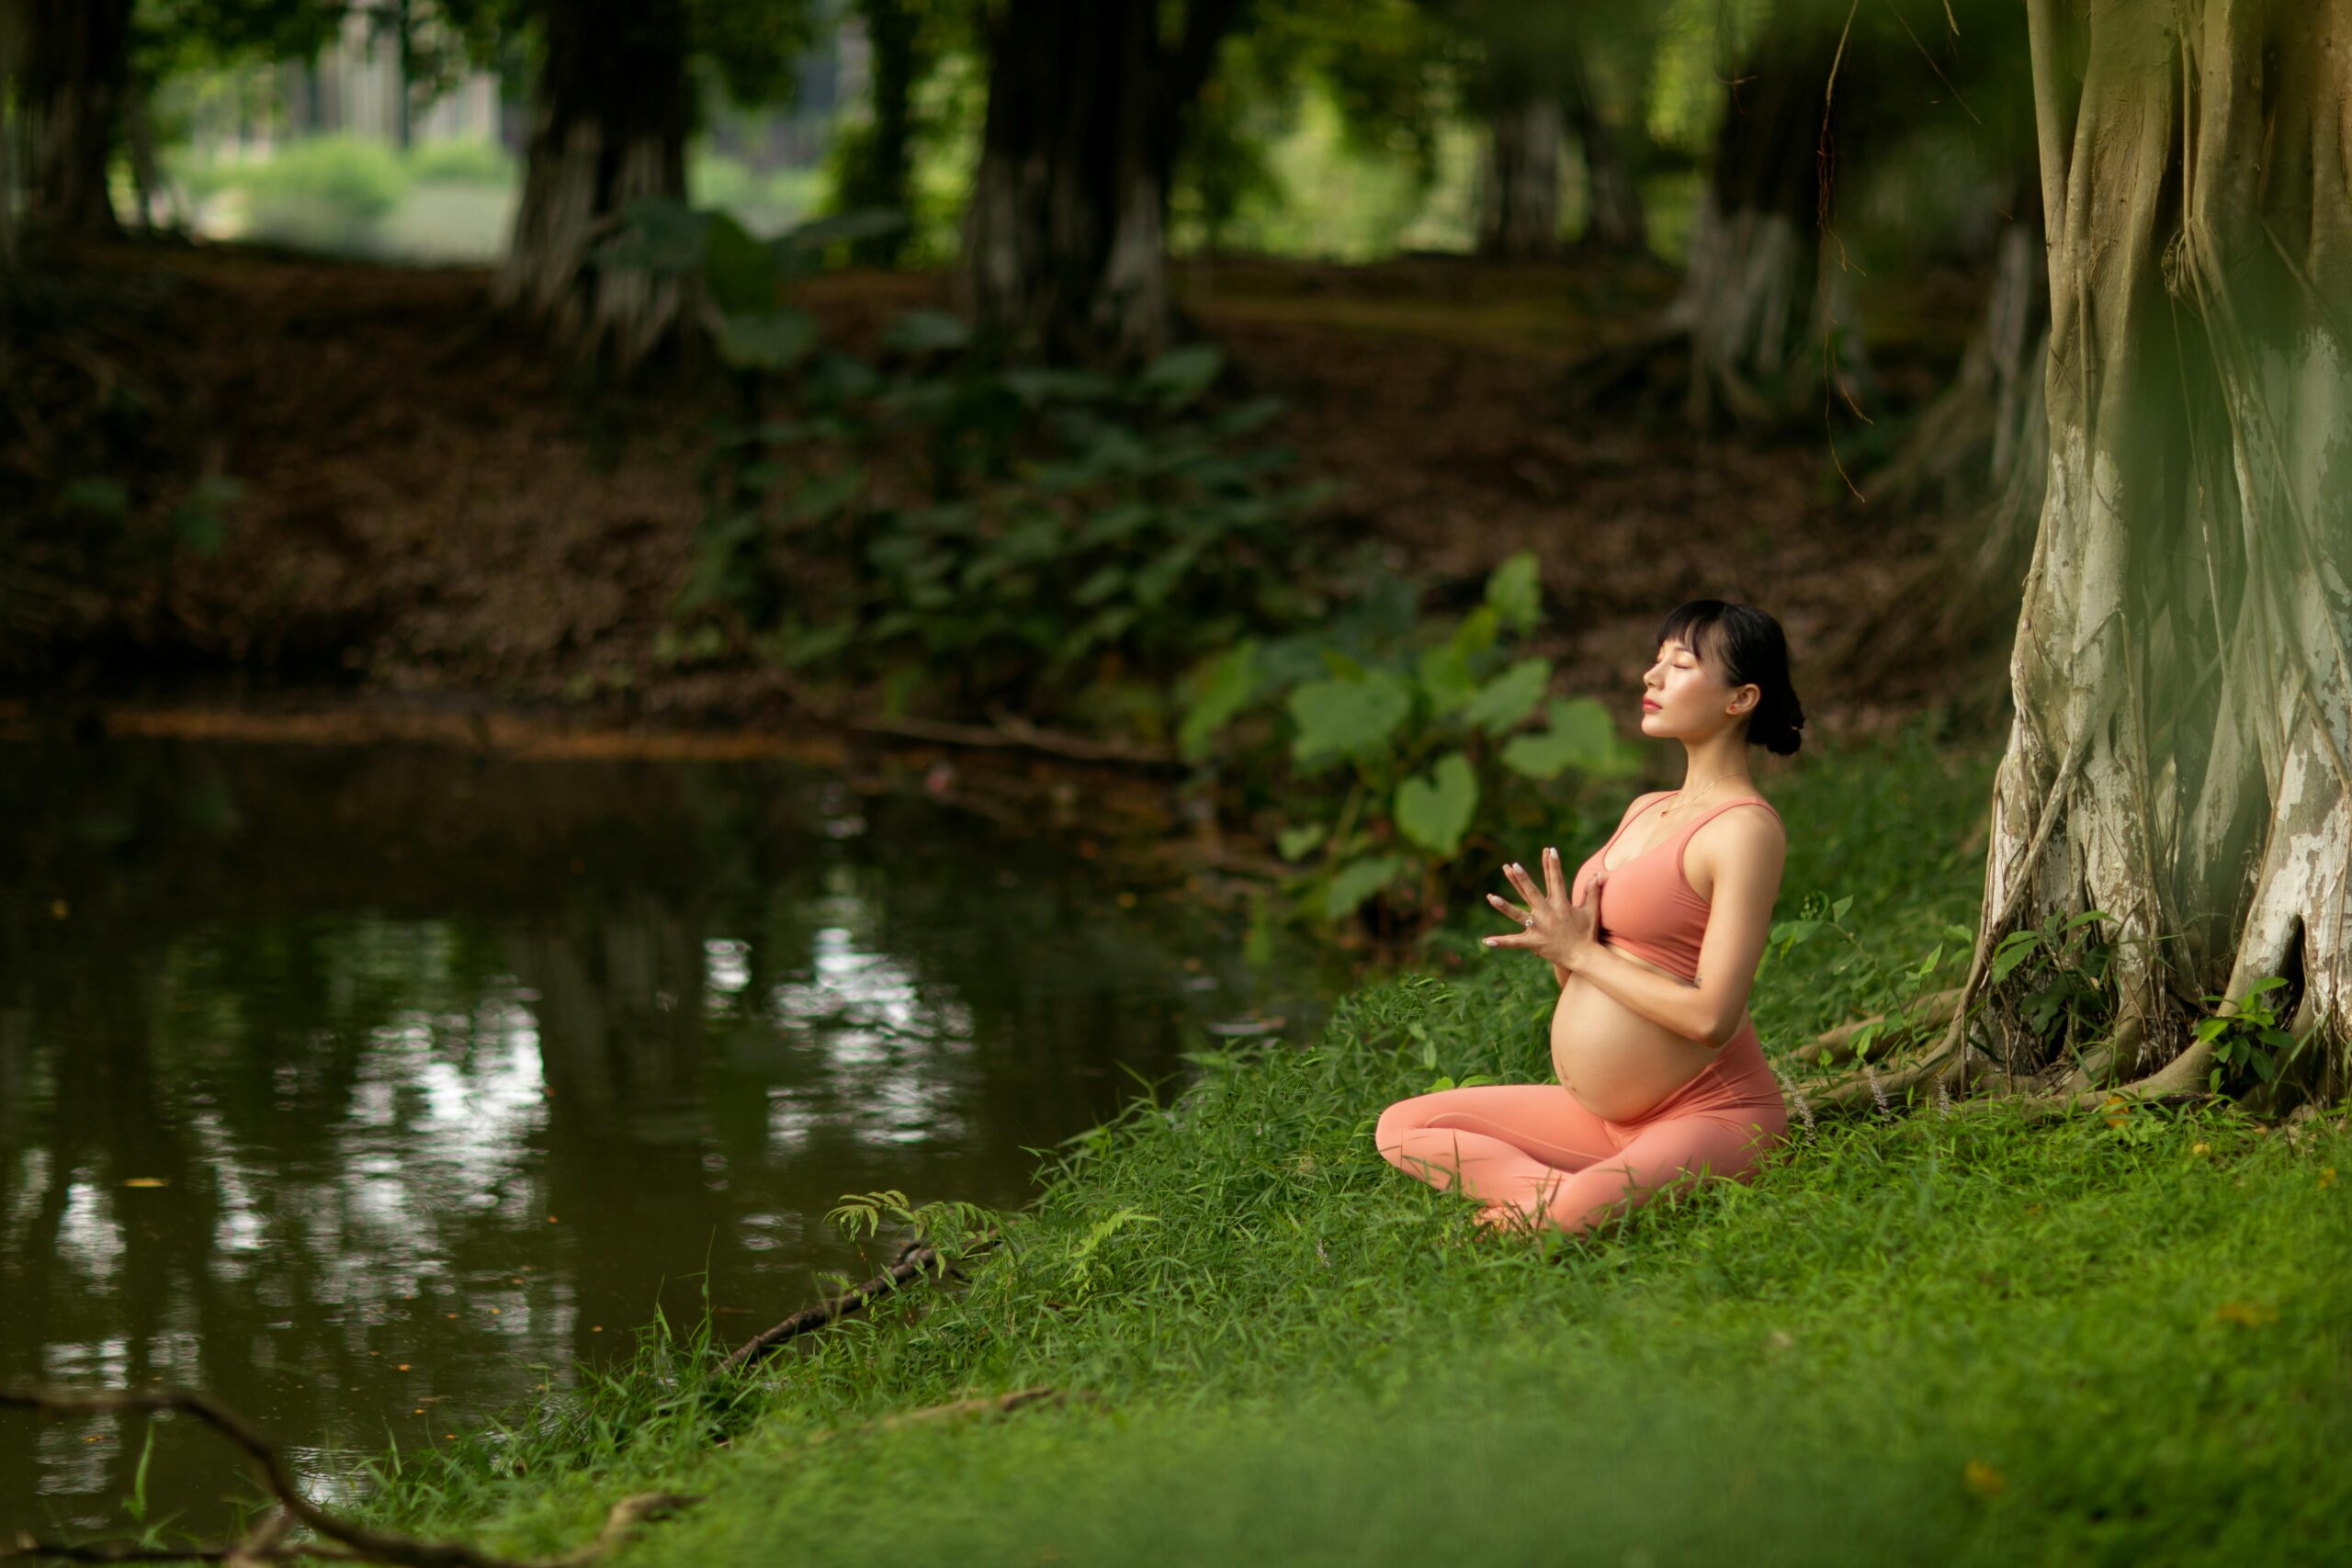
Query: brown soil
x=428, y=509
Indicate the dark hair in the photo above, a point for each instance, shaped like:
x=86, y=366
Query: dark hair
x=1748, y=646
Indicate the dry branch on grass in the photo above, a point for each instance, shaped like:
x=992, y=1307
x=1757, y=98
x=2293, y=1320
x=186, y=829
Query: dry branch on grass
x=345, y=1540
x=915, y=1260
x=1830, y=1045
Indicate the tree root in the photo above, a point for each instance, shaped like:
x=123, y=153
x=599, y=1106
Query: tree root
x=916, y=1260
x=346, y=1541
x=1829, y=1045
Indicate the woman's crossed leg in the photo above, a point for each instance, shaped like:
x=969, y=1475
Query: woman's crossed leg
x=1530, y=1151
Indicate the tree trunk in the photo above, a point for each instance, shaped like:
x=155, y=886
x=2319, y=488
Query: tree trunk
x=1614, y=220
x=76, y=67
x=1064, y=237
x=878, y=162
x=609, y=128
x=2181, y=677
x=1764, y=318
x=1519, y=193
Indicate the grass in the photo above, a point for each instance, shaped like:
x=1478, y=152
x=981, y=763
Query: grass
x=1957, y=1336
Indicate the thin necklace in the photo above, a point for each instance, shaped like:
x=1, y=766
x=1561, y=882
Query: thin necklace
x=1677, y=803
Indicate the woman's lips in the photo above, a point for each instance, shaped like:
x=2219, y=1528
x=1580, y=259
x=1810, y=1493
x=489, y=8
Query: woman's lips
x=1649, y=705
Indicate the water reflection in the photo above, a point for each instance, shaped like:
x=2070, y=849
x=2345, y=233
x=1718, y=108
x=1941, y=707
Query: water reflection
x=368, y=1089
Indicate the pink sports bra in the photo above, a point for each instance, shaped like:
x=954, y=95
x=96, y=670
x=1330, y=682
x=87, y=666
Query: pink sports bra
x=1646, y=909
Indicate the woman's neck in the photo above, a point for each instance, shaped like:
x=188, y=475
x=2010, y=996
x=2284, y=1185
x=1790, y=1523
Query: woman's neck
x=1714, y=765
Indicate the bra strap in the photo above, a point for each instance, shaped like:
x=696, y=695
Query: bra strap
x=1719, y=810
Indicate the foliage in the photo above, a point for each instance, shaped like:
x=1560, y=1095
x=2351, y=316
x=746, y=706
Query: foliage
x=2250, y=1038
x=328, y=192
x=1060, y=542
x=1406, y=741
x=476, y=161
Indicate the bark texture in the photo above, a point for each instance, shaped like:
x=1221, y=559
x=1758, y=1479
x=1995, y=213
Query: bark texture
x=1519, y=191
x=2181, y=680
x=1065, y=250
x=609, y=128
x=75, y=70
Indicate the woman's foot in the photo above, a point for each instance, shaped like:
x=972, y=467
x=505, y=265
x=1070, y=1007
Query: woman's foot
x=1505, y=1217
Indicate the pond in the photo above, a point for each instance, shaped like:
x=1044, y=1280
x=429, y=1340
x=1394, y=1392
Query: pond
x=371, y=1089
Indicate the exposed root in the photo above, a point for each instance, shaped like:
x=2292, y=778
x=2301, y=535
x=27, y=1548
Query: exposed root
x=344, y=1540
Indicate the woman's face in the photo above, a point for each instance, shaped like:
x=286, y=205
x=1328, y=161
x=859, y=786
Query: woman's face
x=1684, y=694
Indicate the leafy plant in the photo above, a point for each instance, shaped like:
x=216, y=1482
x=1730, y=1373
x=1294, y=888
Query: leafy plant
x=2248, y=1039
x=966, y=532
x=1406, y=740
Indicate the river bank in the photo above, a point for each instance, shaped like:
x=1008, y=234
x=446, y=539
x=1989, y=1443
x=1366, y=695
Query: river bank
x=1953, y=1338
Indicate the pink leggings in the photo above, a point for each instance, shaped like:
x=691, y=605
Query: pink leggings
x=1534, y=1147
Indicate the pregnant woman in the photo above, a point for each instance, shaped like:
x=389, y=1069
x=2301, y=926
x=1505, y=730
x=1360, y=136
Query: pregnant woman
x=1654, y=945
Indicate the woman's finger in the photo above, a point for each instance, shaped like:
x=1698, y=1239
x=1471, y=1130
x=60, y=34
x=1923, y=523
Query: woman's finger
x=1508, y=908
x=1516, y=939
x=1554, y=876
x=1525, y=883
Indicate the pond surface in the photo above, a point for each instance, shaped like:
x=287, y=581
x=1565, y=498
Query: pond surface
x=371, y=1089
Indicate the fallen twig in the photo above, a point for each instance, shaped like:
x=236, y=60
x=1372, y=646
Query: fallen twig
x=915, y=1260
x=1007, y=732
x=347, y=1541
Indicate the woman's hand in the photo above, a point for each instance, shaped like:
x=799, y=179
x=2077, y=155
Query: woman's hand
x=1552, y=926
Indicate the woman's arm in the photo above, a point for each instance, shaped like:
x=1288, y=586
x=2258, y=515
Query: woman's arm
x=1747, y=862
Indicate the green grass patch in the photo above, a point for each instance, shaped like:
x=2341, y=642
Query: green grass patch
x=1958, y=1337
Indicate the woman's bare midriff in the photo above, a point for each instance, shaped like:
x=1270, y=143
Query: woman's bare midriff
x=1617, y=1063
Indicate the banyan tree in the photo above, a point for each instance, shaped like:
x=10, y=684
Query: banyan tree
x=2182, y=669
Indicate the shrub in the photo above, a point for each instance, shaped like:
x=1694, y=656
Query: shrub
x=473, y=163
x=1403, y=742
x=325, y=194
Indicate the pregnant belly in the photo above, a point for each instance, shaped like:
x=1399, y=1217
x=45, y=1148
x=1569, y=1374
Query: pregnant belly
x=1617, y=1063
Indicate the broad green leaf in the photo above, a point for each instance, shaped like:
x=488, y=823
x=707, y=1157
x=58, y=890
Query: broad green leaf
x=1182, y=374
x=1434, y=809
x=1515, y=592
x=865, y=223
x=775, y=341
x=736, y=268
x=1224, y=691
x=1347, y=718
x=1446, y=680
x=926, y=332
x=1476, y=633
x=1357, y=881
x=1294, y=843
x=1579, y=736
x=1509, y=696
